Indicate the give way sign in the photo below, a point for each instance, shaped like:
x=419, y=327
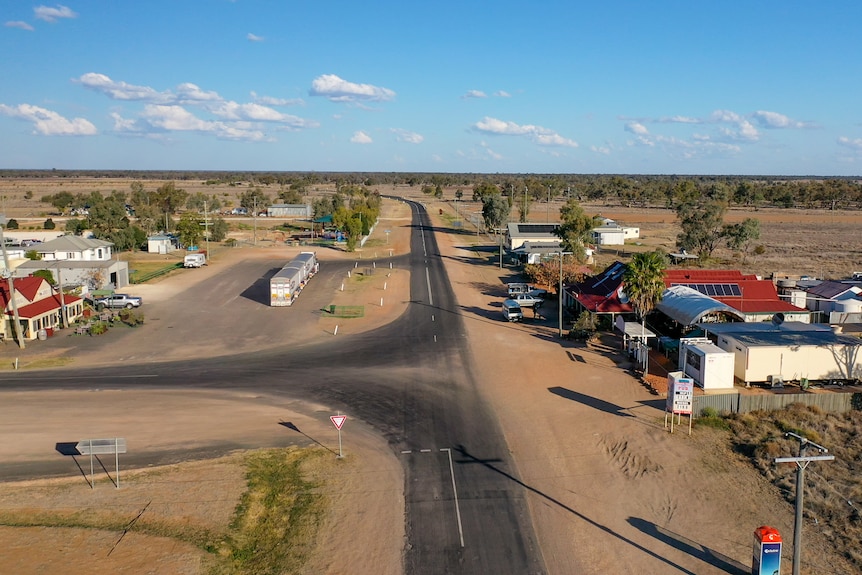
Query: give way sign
x=338, y=420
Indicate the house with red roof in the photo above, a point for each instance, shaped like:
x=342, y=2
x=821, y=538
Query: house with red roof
x=38, y=305
x=754, y=298
x=743, y=296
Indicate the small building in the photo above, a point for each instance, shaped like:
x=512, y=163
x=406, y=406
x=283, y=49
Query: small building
x=835, y=301
x=519, y=232
x=289, y=211
x=162, y=244
x=708, y=365
x=610, y=233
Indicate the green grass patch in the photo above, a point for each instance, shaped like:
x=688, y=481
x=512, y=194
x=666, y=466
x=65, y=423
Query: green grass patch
x=277, y=519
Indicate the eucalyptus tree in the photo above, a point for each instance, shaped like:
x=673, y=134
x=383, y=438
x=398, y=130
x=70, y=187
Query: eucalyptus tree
x=576, y=228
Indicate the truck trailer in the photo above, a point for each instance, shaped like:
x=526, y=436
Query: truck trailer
x=287, y=283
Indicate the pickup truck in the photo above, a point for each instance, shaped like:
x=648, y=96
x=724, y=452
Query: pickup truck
x=117, y=300
x=531, y=299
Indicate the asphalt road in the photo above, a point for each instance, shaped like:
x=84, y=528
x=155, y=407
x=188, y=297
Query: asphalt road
x=466, y=511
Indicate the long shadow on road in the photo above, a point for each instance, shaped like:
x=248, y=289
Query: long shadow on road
x=590, y=401
x=690, y=547
x=488, y=464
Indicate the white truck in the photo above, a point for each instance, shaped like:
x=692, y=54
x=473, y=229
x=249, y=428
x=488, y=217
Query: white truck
x=195, y=260
x=287, y=283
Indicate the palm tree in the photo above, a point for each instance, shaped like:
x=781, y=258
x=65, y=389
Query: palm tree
x=644, y=284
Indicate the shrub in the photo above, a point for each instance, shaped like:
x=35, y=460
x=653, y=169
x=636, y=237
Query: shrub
x=98, y=328
x=131, y=317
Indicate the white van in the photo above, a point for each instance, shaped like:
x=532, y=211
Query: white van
x=512, y=310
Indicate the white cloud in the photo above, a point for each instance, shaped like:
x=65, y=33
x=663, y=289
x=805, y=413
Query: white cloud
x=406, y=136
x=48, y=122
x=491, y=153
x=636, y=128
x=335, y=89
x=538, y=134
x=19, y=24
x=360, y=137
x=272, y=101
x=502, y=94
x=165, y=110
x=188, y=92
x=49, y=14
x=121, y=90
x=680, y=120
x=854, y=144
x=122, y=124
x=601, y=150
x=178, y=119
x=474, y=94
x=744, y=130
x=776, y=120
x=254, y=37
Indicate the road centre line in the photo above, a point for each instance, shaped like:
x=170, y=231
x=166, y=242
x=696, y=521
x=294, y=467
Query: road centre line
x=428, y=282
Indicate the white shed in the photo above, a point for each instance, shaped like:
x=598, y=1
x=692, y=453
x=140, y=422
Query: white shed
x=793, y=356
x=707, y=364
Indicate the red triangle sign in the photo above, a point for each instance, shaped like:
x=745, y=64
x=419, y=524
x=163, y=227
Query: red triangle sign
x=338, y=420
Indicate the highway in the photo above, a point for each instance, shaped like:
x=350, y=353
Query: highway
x=412, y=381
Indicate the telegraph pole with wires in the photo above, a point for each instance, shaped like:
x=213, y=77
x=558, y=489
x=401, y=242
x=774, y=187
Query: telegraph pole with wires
x=801, y=463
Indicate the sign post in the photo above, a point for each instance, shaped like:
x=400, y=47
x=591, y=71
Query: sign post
x=93, y=447
x=680, y=398
x=338, y=421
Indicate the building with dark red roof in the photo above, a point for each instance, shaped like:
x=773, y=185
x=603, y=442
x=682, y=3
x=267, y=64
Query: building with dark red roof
x=754, y=299
x=39, y=307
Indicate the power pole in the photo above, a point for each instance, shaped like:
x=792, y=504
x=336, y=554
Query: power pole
x=207, y=230
x=801, y=463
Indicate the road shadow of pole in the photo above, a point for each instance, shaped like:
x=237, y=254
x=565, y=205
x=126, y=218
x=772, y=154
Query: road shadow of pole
x=292, y=426
x=484, y=462
x=590, y=401
x=686, y=545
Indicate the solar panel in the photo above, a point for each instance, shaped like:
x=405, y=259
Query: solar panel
x=715, y=290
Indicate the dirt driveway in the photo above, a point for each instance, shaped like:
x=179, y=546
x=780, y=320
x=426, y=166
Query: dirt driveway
x=610, y=490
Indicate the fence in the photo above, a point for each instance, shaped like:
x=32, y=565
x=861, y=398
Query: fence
x=740, y=403
x=142, y=278
x=346, y=310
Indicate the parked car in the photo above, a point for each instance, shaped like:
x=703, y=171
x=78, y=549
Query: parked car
x=117, y=300
x=528, y=299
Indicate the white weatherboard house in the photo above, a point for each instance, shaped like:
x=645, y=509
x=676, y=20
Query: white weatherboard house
x=75, y=260
x=610, y=233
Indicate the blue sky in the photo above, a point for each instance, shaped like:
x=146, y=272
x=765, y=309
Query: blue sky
x=663, y=87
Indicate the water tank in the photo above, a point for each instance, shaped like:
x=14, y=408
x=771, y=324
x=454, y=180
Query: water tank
x=786, y=284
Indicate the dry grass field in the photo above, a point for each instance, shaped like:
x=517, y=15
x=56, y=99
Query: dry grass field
x=817, y=243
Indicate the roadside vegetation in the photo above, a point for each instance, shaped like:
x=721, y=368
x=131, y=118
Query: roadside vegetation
x=833, y=489
x=272, y=531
